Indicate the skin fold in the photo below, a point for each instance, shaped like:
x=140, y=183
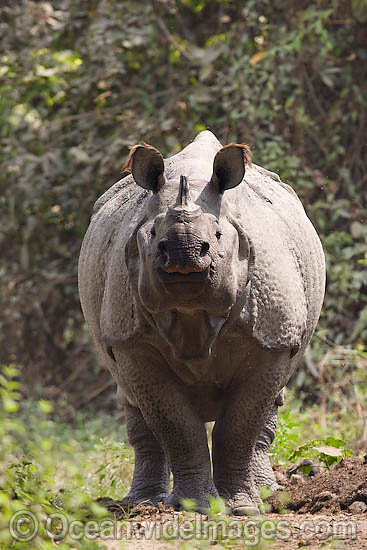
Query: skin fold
x=201, y=280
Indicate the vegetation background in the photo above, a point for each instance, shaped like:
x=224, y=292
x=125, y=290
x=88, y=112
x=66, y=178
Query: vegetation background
x=81, y=81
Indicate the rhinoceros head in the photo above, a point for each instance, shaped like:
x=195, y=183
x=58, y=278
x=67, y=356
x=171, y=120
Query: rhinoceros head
x=185, y=253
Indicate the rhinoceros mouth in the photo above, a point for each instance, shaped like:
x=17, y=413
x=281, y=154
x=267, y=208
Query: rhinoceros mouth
x=175, y=277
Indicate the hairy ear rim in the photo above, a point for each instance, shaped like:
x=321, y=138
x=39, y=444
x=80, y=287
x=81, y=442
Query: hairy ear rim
x=227, y=171
x=157, y=177
x=247, y=153
x=128, y=165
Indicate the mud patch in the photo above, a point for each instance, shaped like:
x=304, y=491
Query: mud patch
x=342, y=489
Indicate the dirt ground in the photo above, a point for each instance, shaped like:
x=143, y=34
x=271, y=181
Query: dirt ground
x=327, y=511
x=342, y=489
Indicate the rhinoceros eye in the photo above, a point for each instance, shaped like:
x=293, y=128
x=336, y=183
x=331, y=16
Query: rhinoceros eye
x=152, y=231
x=218, y=234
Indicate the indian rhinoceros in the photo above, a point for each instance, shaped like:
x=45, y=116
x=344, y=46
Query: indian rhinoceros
x=201, y=286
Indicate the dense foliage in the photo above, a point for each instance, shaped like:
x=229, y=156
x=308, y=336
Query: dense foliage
x=81, y=81
x=49, y=468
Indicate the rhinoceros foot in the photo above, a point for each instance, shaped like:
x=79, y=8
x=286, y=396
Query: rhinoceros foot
x=242, y=500
x=176, y=500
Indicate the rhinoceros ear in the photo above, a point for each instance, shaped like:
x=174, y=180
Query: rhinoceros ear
x=147, y=167
x=229, y=166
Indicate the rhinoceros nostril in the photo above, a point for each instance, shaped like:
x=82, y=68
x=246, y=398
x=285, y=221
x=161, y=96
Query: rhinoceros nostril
x=204, y=249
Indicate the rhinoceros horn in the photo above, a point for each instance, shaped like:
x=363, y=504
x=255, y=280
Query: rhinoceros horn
x=184, y=202
x=184, y=197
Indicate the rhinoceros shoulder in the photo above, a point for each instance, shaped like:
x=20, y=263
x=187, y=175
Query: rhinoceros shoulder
x=288, y=273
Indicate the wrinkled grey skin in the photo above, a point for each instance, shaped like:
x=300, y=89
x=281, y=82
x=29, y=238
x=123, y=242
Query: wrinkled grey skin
x=187, y=346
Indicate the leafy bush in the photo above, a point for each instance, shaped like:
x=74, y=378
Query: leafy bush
x=49, y=467
x=328, y=452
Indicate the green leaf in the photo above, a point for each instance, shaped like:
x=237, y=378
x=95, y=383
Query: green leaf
x=328, y=450
x=9, y=404
x=45, y=406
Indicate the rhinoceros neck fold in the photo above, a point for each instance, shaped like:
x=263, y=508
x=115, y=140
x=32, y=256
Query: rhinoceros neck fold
x=190, y=335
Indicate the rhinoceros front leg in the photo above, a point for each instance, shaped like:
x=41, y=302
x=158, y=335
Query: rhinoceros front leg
x=262, y=470
x=237, y=431
x=166, y=409
x=151, y=473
